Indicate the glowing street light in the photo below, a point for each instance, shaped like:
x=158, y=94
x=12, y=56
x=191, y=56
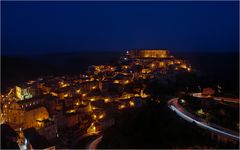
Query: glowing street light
x=182, y=101
x=101, y=116
x=94, y=116
x=122, y=106
x=106, y=100
x=131, y=104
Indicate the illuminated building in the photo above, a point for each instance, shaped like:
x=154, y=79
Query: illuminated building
x=25, y=114
x=161, y=64
x=146, y=70
x=23, y=93
x=91, y=85
x=149, y=53
x=92, y=129
x=123, y=79
x=100, y=69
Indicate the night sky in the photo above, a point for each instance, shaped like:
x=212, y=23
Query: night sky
x=52, y=27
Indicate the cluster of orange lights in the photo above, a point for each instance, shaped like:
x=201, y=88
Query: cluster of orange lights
x=121, y=106
x=95, y=117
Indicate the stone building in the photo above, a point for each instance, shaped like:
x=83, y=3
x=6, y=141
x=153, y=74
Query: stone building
x=149, y=53
x=25, y=113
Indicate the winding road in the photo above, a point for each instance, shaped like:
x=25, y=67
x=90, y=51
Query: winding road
x=180, y=111
x=93, y=145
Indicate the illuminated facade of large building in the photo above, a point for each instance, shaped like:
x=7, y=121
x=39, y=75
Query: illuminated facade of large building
x=149, y=53
x=23, y=93
x=24, y=114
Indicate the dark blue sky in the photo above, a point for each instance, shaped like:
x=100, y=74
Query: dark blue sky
x=49, y=27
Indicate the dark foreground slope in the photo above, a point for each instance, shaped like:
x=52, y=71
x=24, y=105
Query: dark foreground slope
x=155, y=126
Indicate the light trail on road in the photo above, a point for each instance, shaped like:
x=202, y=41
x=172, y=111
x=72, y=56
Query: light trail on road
x=201, y=124
x=93, y=144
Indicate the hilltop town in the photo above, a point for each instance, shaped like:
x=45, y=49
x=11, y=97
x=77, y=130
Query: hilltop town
x=86, y=103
